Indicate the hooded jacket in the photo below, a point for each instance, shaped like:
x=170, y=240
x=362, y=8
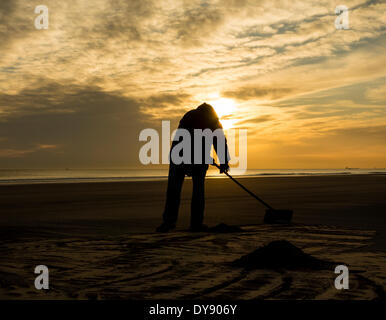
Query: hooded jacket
x=203, y=117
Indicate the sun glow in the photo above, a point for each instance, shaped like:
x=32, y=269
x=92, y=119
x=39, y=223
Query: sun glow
x=223, y=106
x=228, y=123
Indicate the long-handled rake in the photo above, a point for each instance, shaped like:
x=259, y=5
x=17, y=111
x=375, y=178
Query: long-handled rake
x=271, y=215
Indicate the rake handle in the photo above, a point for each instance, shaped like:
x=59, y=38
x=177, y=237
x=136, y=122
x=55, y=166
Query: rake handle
x=245, y=189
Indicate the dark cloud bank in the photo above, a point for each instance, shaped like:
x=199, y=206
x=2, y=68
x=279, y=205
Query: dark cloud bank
x=84, y=126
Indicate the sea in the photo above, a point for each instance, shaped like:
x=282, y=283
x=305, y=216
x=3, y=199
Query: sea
x=68, y=175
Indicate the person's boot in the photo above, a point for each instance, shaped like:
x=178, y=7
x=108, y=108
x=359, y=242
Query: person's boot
x=166, y=227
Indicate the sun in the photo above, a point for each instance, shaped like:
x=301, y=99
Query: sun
x=223, y=107
x=228, y=123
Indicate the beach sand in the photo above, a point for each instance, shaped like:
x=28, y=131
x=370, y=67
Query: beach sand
x=98, y=240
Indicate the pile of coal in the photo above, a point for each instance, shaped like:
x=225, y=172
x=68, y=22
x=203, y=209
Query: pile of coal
x=281, y=254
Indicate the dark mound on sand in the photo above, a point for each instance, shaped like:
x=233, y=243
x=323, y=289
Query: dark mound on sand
x=224, y=228
x=280, y=255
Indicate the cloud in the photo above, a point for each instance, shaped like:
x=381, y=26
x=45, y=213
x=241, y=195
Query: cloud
x=262, y=118
x=248, y=93
x=13, y=153
x=156, y=106
x=197, y=23
x=16, y=153
x=123, y=20
x=377, y=93
x=335, y=148
x=14, y=23
x=101, y=64
x=69, y=126
x=47, y=146
x=360, y=136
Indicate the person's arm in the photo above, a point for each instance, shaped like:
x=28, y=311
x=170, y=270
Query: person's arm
x=223, y=156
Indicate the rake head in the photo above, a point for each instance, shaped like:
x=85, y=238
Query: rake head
x=278, y=216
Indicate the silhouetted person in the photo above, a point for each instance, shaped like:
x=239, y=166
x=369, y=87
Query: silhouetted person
x=203, y=117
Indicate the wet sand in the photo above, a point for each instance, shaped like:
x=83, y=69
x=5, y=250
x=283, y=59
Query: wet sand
x=98, y=241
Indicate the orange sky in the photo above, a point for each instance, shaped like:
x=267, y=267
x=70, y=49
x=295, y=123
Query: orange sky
x=79, y=93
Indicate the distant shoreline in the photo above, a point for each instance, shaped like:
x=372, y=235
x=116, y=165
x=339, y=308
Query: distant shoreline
x=210, y=175
x=61, y=180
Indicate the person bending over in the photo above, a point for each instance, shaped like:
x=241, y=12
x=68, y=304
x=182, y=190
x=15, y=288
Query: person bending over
x=203, y=117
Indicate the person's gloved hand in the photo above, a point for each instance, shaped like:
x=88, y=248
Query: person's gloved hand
x=224, y=167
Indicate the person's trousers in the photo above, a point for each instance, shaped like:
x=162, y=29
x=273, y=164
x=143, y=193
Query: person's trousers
x=173, y=194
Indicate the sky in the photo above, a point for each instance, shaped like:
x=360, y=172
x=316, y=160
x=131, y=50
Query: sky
x=77, y=94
